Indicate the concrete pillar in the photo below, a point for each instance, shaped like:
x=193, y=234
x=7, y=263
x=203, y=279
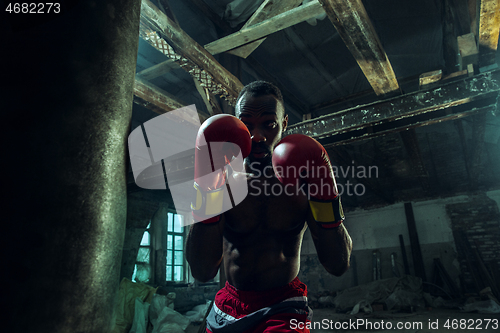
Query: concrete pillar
x=67, y=88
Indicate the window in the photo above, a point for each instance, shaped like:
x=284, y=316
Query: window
x=175, y=268
x=142, y=270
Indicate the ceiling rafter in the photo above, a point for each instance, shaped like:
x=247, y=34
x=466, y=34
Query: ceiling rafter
x=351, y=20
x=266, y=27
x=168, y=65
x=158, y=100
x=445, y=102
x=489, y=29
x=207, y=97
x=268, y=9
x=158, y=70
x=165, y=35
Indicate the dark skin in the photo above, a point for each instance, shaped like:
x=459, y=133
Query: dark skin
x=259, y=240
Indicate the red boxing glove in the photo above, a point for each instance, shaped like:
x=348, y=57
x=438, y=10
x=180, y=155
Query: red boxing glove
x=220, y=138
x=299, y=156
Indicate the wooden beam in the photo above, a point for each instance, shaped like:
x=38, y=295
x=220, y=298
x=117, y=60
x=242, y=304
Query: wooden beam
x=416, y=252
x=166, y=66
x=158, y=100
x=158, y=70
x=429, y=78
x=352, y=98
x=451, y=113
x=166, y=36
x=448, y=101
x=209, y=100
x=268, y=9
x=467, y=50
x=265, y=28
x=489, y=29
x=159, y=97
x=355, y=28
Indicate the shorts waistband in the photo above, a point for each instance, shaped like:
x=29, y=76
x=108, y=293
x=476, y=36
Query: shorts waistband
x=293, y=289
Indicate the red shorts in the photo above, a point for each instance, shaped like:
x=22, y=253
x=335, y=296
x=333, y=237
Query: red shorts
x=283, y=309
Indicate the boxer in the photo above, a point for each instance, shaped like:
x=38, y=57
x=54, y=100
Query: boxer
x=291, y=186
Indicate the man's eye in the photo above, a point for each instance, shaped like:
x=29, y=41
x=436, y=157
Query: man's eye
x=272, y=124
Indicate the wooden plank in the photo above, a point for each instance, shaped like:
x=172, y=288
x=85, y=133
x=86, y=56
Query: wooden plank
x=167, y=37
x=165, y=66
x=158, y=100
x=467, y=50
x=403, y=254
x=416, y=252
x=268, y=9
x=448, y=101
x=455, y=75
x=356, y=30
x=352, y=97
x=451, y=113
x=209, y=99
x=489, y=29
x=151, y=93
x=429, y=77
x=158, y=70
x=265, y=28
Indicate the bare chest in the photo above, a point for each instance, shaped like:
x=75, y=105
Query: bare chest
x=268, y=207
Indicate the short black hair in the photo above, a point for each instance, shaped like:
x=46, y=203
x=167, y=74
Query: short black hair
x=262, y=88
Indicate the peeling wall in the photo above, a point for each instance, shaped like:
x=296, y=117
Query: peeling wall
x=379, y=229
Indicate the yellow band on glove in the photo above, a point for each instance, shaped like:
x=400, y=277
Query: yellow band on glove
x=208, y=203
x=329, y=212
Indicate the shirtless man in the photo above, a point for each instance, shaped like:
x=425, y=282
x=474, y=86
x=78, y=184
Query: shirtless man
x=259, y=240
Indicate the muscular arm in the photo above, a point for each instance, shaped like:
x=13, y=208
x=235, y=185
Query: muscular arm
x=333, y=246
x=204, y=249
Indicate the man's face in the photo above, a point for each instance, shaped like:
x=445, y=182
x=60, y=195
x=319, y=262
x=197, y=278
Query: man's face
x=264, y=118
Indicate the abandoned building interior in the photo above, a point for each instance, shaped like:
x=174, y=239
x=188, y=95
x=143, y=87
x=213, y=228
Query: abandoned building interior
x=404, y=96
